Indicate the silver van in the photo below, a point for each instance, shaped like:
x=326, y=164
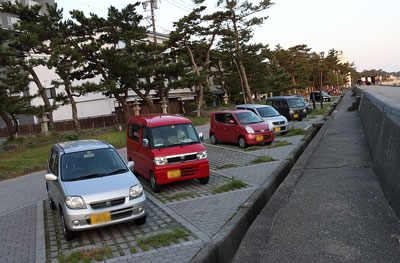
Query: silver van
x=276, y=122
x=91, y=186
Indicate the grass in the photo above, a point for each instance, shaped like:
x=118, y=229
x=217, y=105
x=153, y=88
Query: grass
x=85, y=255
x=316, y=112
x=263, y=159
x=294, y=132
x=199, y=120
x=183, y=195
x=25, y=159
x=225, y=166
x=162, y=239
x=232, y=185
x=280, y=144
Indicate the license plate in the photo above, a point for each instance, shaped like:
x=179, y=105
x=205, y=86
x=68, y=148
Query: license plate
x=259, y=138
x=174, y=173
x=277, y=129
x=296, y=116
x=100, y=218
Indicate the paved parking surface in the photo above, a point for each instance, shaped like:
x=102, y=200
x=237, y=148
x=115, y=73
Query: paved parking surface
x=188, y=206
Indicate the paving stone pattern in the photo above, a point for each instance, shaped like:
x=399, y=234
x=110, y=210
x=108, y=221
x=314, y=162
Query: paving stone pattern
x=212, y=212
x=185, y=189
x=18, y=235
x=220, y=155
x=120, y=238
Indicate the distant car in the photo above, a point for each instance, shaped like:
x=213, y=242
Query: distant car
x=333, y=91
x=292, y=107
x=240, y=126
x=325, y=96
x=276, y=122
x=305, y=102
x=91, y=186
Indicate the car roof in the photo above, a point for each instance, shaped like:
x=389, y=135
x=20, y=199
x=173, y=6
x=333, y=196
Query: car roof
x=82, y=145
x=282, y=97
x=231, y=111
x=253, y=106
x=152, y=120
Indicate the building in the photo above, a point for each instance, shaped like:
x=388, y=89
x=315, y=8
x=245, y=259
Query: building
x=343, y=60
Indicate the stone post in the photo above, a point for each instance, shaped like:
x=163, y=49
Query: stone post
x=225, y=98
x=44, y=124
x=164, y=106
x=136, y=108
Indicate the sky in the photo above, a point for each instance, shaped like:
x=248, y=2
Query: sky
x=368, y=32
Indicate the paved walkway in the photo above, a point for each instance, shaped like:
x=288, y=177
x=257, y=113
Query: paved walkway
x=330, y=208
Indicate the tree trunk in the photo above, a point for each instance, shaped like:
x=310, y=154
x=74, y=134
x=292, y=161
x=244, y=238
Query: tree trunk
x=10, y=126
x=146, y=100
x=240, y=63
x=125, y=107
x=241, y=81
x=75, y=120
x=42, y=92
x=199, y=86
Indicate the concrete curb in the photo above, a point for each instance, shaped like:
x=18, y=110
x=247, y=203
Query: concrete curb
x=223, y=245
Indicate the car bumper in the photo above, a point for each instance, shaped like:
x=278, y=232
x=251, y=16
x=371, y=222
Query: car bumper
x=257, y=138
x=298, y=116
x=187, y=170
x=131, y=209
x=278, y=129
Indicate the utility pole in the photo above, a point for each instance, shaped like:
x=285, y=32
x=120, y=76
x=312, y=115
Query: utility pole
x=153, y=5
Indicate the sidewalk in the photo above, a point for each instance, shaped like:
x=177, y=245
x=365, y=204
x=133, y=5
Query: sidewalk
x=330, y=208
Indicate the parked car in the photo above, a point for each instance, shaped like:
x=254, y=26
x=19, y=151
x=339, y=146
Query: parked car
x=317, y=96
x=91, y=186
x=276, y=122
x=305, y=103
x=166, y=148
x=240, y=126
x=333, y=91
x=293, y=108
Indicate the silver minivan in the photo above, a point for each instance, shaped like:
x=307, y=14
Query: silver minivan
x=277, y=123
x=91, y=186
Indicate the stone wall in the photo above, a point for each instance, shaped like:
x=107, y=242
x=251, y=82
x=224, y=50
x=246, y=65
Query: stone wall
x=382, y=130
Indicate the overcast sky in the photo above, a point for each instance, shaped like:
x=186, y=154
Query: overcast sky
x=368, y=32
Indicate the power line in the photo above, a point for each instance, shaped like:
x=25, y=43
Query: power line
x=180, y=7
x=180, y=2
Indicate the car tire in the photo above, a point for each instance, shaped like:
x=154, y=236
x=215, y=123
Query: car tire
x=140, y=221
x=204, y=180
x=300, y=119
x=283, y=133
x=213, y=139
x=52, y=205
x=68, y=234
x=242, y=142
x=154, y=186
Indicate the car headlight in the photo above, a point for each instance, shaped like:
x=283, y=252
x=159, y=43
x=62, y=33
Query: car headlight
x=160, y=160
x=201, y=155
x=75, y=202
x=249, y=129
x=304, y=110
x=135, y=191
x=291, y=111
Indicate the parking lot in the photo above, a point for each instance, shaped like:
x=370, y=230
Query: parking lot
x=193, y=211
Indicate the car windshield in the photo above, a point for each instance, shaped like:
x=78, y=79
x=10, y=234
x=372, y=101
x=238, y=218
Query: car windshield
x=296, y=103
x=173, y=135
x=91, y=164
x=324, y=93
x=247, y=118
x=267, y=112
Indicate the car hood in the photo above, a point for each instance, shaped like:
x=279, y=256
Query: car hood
x=276, y=118
x=258, y=126
x=102, y=188
x=198, y=147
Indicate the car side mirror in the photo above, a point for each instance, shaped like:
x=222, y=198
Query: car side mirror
x=50, y=177
x=231, y=122
x=131, y=165
x=145, y=142
x=201, y=136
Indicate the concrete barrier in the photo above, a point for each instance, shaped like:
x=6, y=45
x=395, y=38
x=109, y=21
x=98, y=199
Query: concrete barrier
x=381, y=124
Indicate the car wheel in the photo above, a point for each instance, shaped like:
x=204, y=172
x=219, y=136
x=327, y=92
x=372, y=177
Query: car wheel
x=213, y=139
x=242, y=142
x=52, y=205
x=140, y=221
x=204, y=180
x=283, y=133
x=68, y=234
x=154, y=186
x=300, y=119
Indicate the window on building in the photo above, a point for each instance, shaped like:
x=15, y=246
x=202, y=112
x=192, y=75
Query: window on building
x=51, y=93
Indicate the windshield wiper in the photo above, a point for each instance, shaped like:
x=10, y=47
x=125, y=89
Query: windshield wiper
x=91, y=176
x=118, y=171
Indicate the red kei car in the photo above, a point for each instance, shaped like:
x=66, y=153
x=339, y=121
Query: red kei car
x=239, y=126
x=166, y=148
